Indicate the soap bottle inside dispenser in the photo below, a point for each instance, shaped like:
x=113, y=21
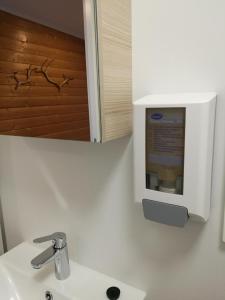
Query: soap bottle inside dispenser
x=165, y=132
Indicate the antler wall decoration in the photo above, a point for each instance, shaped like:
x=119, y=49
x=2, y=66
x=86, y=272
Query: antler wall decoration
x=25, y=82
x=43, y=69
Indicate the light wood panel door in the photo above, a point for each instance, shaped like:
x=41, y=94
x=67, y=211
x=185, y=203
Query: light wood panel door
x=115, y=67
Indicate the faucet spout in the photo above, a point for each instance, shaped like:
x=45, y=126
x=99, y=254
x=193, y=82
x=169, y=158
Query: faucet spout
x=44, y=258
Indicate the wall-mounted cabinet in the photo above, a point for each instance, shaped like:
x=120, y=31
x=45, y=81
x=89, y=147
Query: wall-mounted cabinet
x=66, y=72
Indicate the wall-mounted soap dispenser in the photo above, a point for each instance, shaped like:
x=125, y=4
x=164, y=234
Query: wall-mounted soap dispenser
x=173, y=152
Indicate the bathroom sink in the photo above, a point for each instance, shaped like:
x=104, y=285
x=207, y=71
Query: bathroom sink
x=18, y=281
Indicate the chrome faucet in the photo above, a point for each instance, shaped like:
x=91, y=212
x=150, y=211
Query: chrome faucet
x=57, y=252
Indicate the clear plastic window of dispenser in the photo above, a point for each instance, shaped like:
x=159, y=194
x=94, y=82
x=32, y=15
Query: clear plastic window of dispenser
x=165, y=138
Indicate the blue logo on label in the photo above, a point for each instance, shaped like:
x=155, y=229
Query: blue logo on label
x=157, y=116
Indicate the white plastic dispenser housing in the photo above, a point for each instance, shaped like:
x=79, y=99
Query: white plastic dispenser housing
x=173, y=153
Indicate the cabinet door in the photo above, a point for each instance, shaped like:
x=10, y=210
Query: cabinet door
x=109, y=67
x=115, y=67
x=43, y=84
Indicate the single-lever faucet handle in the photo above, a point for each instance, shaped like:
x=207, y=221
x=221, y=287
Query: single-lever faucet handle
x=58, y=239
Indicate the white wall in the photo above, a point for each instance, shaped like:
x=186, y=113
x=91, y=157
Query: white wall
x=86, y=190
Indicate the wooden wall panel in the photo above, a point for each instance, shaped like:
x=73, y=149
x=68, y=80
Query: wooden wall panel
x=115, y=67
x=39, y=109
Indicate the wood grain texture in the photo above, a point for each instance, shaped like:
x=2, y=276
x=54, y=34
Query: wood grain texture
x=115, y=67
x=39, y=109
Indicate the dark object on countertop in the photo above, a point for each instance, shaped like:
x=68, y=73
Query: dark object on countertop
x=48, y=295
x=113, y=293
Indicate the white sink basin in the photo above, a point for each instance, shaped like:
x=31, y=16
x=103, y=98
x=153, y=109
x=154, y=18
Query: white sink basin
x=18, y=281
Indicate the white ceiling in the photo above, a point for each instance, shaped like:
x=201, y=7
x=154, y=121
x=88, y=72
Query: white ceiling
x=66, y=16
